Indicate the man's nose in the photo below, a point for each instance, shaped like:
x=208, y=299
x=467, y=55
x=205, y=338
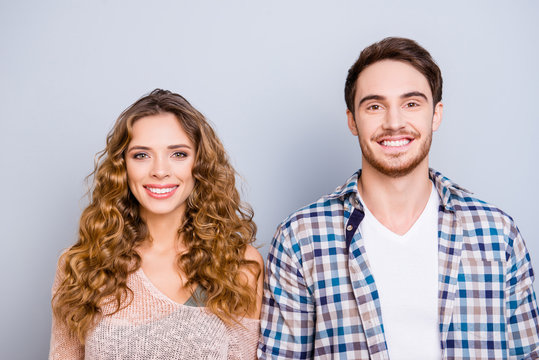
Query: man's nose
x=394, y=119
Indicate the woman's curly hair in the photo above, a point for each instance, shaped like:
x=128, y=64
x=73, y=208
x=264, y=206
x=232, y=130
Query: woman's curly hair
x=216, y=230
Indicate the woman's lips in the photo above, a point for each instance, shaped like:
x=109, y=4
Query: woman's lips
x=160, y=191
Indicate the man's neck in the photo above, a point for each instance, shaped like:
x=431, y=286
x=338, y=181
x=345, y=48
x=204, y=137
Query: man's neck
x=396, y=202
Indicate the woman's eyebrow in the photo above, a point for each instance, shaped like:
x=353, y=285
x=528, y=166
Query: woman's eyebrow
x=170, y=147
x=178, y=146
x=138, y=147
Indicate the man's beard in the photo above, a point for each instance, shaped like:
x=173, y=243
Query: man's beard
x=394, y=166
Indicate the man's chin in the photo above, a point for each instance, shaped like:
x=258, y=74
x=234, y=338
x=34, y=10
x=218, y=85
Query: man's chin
x=395, y=170
x=398, y=165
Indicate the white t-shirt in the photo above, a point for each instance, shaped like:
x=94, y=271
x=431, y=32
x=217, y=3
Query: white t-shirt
x=405, y=270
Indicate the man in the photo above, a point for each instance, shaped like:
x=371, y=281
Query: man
x=399, y=261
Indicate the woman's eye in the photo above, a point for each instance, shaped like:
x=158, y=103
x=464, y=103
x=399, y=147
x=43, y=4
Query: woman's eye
x=179, y=154
x=140, y=156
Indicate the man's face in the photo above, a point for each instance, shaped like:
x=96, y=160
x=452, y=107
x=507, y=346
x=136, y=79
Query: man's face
x=393, y=117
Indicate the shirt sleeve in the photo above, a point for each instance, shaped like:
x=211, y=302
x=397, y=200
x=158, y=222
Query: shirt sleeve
x=63, y=345
x=522, y=314
x=288, y=316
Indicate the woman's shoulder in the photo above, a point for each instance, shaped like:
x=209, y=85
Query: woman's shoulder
x=59, y=274
x=252, y=254
x=254, y=273
x=255, y=278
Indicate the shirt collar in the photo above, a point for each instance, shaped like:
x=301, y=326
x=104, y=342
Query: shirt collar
x=348, y=191
x=349, y=187
x=447, y=190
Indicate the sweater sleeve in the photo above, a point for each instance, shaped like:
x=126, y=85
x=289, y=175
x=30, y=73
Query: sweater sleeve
x=243, y=339
x=63, y=346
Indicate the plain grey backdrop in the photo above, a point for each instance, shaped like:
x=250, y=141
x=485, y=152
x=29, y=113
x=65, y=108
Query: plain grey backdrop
x=269, y=76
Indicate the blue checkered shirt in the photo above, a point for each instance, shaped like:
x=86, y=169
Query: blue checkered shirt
x=320, y=297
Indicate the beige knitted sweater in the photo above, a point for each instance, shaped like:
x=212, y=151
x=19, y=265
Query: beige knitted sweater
x=155, y=327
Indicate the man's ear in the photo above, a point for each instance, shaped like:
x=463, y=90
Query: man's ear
x=437, y=117
x=351, y=122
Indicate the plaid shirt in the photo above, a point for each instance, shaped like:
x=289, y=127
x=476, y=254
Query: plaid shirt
x=320, y=297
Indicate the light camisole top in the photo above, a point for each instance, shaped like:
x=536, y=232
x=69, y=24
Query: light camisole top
x=153, y=326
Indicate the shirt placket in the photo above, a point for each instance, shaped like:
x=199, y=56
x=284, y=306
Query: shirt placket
x=364, y=287
x=450, y=235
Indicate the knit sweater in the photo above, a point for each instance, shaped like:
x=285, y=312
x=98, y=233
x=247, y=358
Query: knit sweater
x=153, y=326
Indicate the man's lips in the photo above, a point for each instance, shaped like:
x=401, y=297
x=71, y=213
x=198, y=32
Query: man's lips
x=395, y=143
x=395, y=140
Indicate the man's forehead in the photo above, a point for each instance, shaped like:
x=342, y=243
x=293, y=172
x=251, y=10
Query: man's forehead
x=390, y=78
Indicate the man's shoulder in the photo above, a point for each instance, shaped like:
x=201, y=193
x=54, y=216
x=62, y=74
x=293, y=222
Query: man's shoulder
x=325, y=206
x=467, y=205
x=330, y=207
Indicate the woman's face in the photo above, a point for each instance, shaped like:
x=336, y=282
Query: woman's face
x=159, y=162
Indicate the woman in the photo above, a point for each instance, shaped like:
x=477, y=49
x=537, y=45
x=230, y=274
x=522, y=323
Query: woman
x=163, y=267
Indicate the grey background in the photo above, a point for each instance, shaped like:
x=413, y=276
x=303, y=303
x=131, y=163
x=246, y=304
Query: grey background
x=270, y=77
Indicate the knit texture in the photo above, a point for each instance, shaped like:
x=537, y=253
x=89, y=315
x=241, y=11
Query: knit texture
x=155, y=327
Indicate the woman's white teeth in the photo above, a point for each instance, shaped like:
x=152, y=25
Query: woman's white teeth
x=395, y=142
x=161, y=191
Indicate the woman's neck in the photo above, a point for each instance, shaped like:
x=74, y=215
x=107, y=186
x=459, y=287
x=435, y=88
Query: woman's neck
x=163, y=231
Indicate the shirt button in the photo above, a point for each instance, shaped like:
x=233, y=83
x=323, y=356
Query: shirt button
x=349, y=227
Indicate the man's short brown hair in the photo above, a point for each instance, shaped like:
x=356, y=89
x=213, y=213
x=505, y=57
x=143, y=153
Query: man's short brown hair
x=400, y=49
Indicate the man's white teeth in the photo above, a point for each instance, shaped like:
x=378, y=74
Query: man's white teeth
x=395, y=142
x=161, y=191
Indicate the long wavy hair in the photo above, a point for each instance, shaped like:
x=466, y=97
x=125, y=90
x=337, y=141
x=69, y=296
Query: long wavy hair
x=215, y=232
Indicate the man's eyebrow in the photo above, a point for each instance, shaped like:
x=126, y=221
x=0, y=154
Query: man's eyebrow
x=370, y=97
x=403, y=96
x=414, y=93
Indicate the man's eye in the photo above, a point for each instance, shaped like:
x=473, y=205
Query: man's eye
x=412, y=104
x=140, y=156
x=374, y=107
